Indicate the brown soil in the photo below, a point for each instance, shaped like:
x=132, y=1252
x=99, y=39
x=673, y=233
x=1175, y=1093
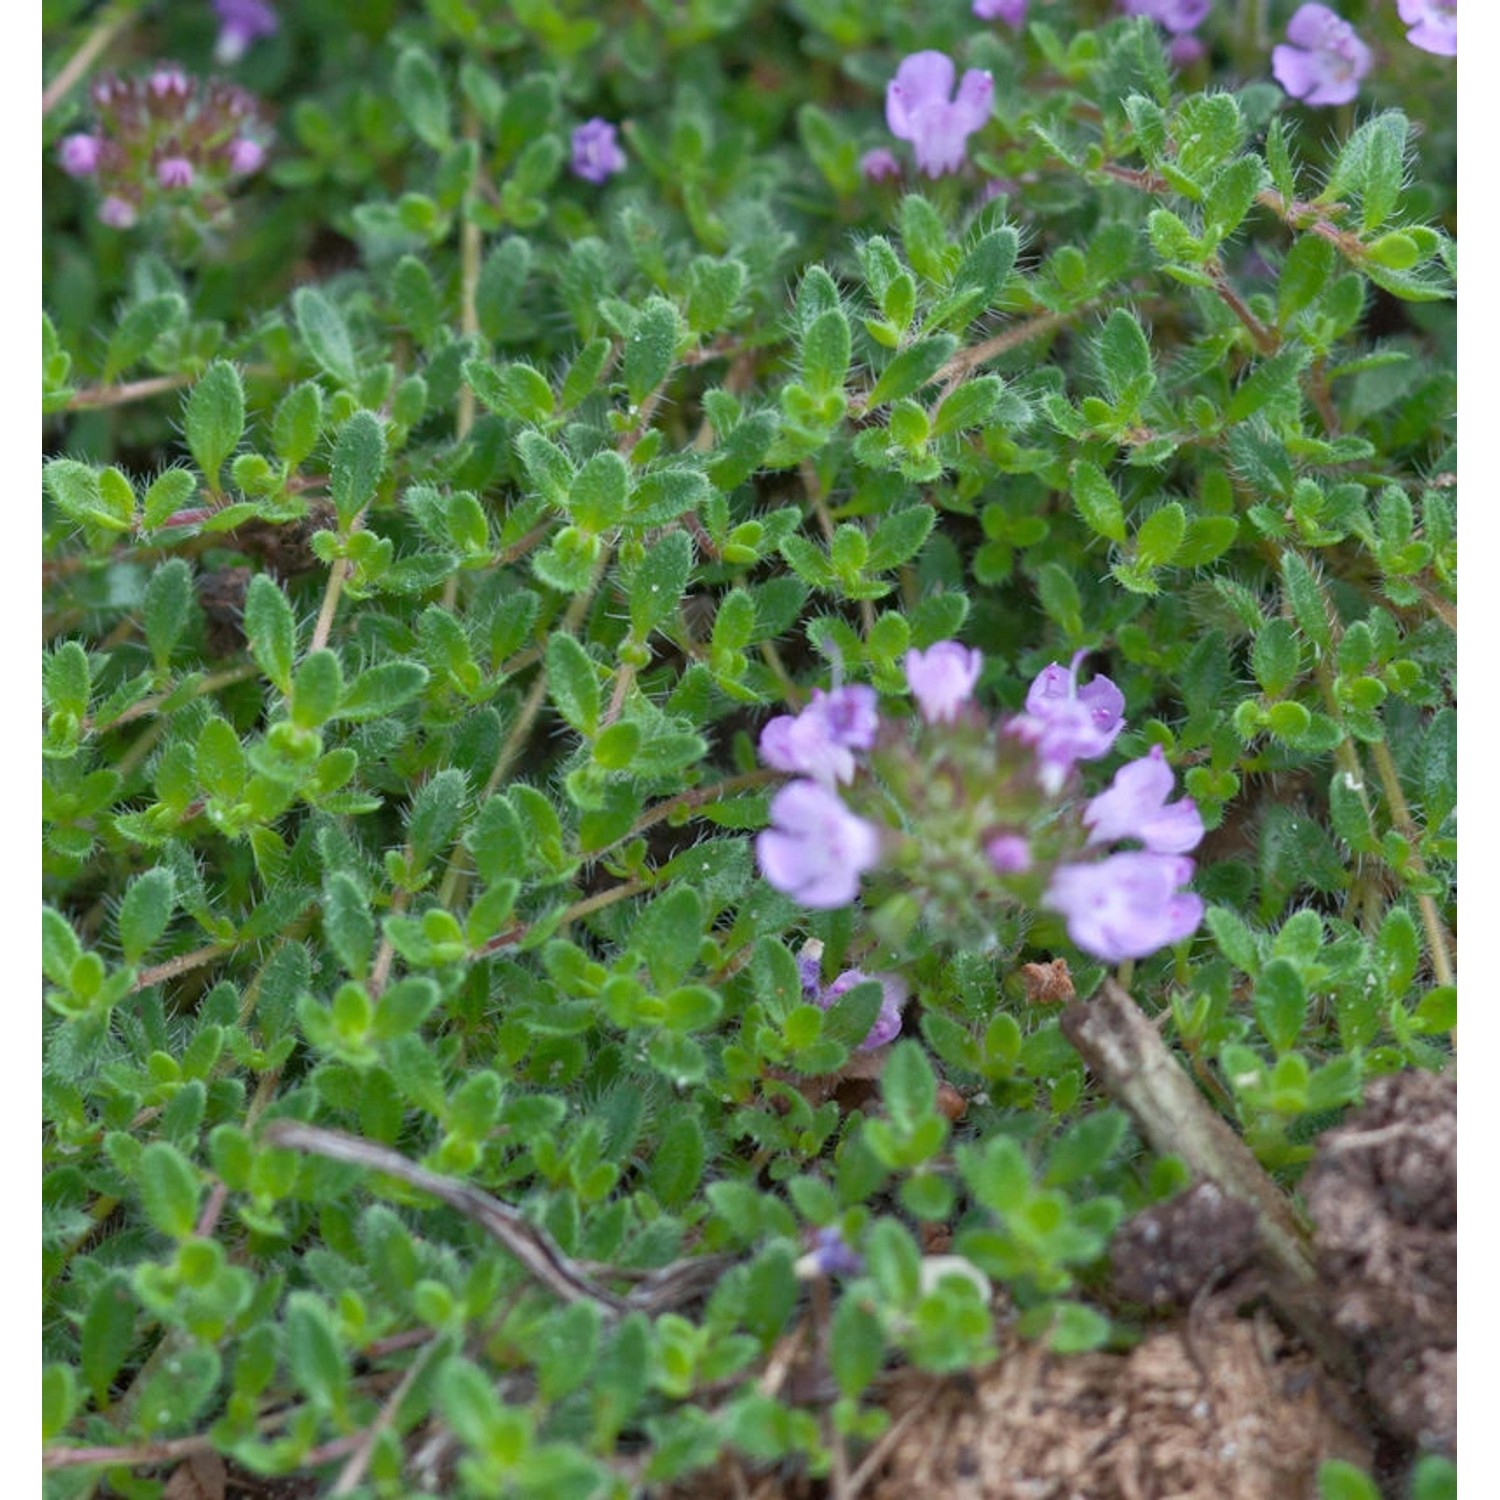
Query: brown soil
x=1383, y=1193
x=1218, y=1408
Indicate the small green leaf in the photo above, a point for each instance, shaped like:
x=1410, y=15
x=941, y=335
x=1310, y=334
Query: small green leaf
x=1124, y=356
x=314, y=1351
x=826, y=353
x=317, y=689
x=381, y=690
x=297, y=423
x=142, y=325
x=347, y=923
x=572, y=683
x=144, y=913
x=1160, y=536
x=650, y=349
x=170, y=1189
x=214, y=419
x=326, y=334
x=856, y=1346
x=167, y=609
x=168, y=493
x=1097, y=501
x=271, y=629
x=358, y=462
x=1280, y=1003
x=423, y=98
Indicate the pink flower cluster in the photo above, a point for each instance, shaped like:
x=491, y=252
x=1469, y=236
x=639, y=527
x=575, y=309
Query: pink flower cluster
x=165, y=138
x=1118, y=902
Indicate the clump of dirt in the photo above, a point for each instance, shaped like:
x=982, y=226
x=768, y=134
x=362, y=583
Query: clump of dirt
x=1166, y=1255
x=1218, y=1408
x=1383, y=1194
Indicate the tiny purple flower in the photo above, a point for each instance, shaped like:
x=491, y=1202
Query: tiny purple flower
x=1136, y=807
x=887, y=1024
x=245, y=156
x=596, y=152
x=832, y=1256
x=118, y=213
x=241, y=23
x=920, y=108
x=1065, y=723
x=1008, y=853
x=1012, y=12
x=169, y=82
x=1325, y=59
x=79, y=155
x=1175, y=16
x=1126, y=906
x=942, y=679
x=816, y=849
x=1186, y=50
x=1434, y=25
x=820, y=741
x=880, y=165
x=174, y=172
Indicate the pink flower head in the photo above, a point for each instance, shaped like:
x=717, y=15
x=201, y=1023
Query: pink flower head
x=117, y=212
x=815, y=849
x=942, y=679
x=168, y=82
x=879, y=165
x=245, y=156
x=1325, y=59
x=1433, y=23
x=1136, y=807
x=920, y=107
x=1012, y=12
x=1186, y=50
x=241, y=23
x=893, y=992
x=174, y=172
x=1126, y=906
x=1065, y=723
x=821, y=740
x=596, y=152
x=1009, y=853
x=79, y=155
x=1176, y=16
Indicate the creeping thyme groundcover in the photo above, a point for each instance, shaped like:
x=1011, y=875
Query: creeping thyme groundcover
x=657, y=617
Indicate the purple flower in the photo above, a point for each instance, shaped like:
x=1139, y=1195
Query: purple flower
x=1434, y=25
x=174, y=172
x=1012, y=12
x=942, y=679
x=820, y=741
x=78, y=155
x=245, y=156
x=1126, y=906
x=1186, y=50
x=1176, y=16
x=1325, y=61
x=169, y=82
x=117, y=212
x=1008, y=853
x=596, y=153
x=887, y=1024
x=816, y=849
x=241, y=22
x=1136, y=807
x=919, y=108
x=1065, y=723
x=879, y=165
x=830, y=1256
